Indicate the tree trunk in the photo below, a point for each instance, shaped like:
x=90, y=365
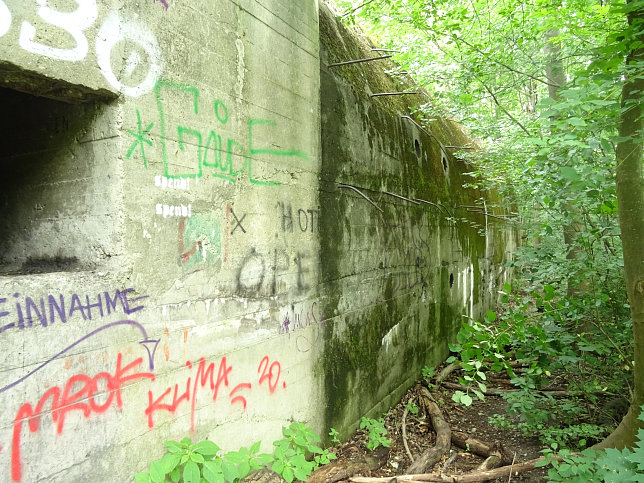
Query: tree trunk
x=630, y=198
x=556, y=76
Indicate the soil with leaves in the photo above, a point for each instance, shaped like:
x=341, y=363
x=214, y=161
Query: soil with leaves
x=411, y=433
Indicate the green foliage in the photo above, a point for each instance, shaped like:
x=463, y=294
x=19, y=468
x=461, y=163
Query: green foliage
x=427, y=372
x=376, y=432
x=532, y=330
x=599, y=466
x=412, y=407
x=291, y=453
x=334, y=436
x=189, y=462
x=541, y=91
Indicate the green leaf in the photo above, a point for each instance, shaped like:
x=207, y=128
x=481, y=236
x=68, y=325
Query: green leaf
x=197, y=458
x=175, y=475
x=170, y=461
x=206, y=448
x=229, y=470
x=265, y=458
x=466, y=400
x=575, y=121
x=278, y=467
x=157, y=472
x=191, y=473
x=569, y=173
x=174, y=447
x=255, y=447
x=212, y=471
x=288, y=474
x=143, y=477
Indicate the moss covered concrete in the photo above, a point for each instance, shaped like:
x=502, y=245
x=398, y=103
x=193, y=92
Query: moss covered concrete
x=401, y=259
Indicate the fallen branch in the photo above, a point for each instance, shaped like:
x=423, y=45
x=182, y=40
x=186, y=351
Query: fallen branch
x=473, y=477
x=344, y=468
x=491, y=391
x=404, y=435
x=492, y=461
x=447, y=370
x=479, y=448
x=432, y=455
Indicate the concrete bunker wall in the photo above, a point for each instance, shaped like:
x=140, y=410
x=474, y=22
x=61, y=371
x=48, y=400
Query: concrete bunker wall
x=179, y=254
x=403, y=257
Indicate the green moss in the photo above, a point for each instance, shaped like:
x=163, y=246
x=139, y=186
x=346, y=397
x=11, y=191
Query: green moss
x=365, y=362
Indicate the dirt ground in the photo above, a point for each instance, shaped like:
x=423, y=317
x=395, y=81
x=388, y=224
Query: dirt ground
x=420, y=435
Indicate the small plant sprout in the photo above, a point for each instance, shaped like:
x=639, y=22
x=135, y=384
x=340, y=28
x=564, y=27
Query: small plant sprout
x=411, y=407
x=377, y=432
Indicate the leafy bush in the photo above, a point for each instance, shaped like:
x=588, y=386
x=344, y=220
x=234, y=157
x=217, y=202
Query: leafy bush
x=598, y=466
x=376, y=433
x=197, y=462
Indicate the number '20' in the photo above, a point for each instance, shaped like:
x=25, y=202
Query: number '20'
x=112, y=31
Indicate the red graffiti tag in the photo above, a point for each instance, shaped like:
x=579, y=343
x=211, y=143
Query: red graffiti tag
x=76, y=395
x=172, y=398
x=204, y=376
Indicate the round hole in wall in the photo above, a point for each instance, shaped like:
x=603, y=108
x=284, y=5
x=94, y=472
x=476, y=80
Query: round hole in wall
x=451, y=280
x=417, y=147
x=444, y=160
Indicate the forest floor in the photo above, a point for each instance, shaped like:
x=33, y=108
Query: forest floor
x=420, y=435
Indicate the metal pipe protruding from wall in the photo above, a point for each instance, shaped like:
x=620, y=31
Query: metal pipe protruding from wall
x=348, y=186
x=401, y=197
x=409, y=118
x=357, y=61
x=378, y=94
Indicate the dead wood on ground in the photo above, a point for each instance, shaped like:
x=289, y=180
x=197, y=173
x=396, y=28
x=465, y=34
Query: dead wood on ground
x=472, y=477
x=432, y=455
x=480, y=448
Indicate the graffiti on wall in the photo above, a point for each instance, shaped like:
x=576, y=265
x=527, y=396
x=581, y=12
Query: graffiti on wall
x=78, y=393
x=199, y=241
x=89, y=395
x=268, y=376
x=305, y=219
x=150, y=346
x=47, y=310
x=113, y=31
x=308, y=315
x=405, y=247
x=264, y=274
x=207, y=151
x=164, y=3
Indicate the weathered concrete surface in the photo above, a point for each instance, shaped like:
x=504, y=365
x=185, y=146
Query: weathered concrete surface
x=402, y=260
x=177, y=256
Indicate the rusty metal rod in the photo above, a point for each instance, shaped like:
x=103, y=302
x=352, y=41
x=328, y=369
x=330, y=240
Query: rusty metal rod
x=357, y=61
x=348, y=186
x=378, y=94
x=401, y=197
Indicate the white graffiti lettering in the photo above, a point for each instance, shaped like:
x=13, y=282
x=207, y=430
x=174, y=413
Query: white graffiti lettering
x=74, y=23
x=5, y=18
x=113, y=30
